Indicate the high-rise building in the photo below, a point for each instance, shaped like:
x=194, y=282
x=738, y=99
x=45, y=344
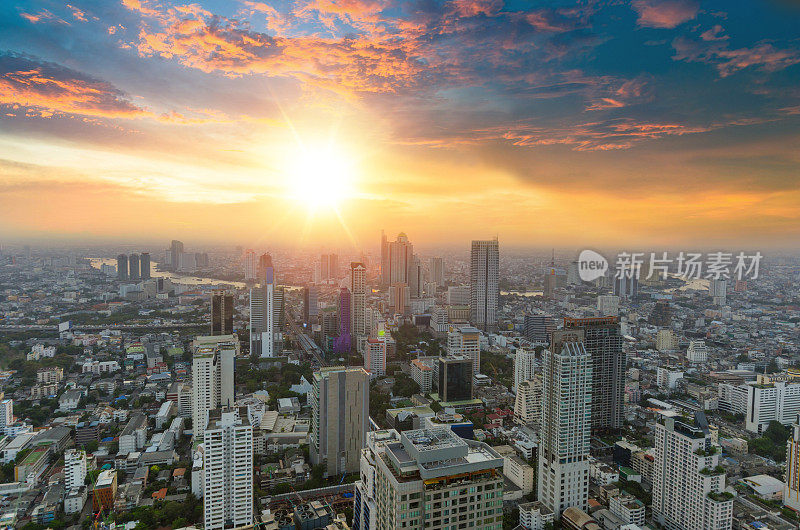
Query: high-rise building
x=221, y=313
x=264, y=334
x=688, y=482
x=385, y=279
x=429, y=478
x=626, y=287
x=524, y=365
x=104, y=493
x=603, y=342
x=375, y=357
x=436, y=266
x=566, y=423
x=339, y=418
x=310, y=304
x=608, y=305
x=74, y=469
x=213, y=361
x=250, y=265
x=399, y=298
x=134, y=272
x=400, y=254
x=6, y=414
x=358, y=290
x=455, y=378
x=528, y=402
x=175, y=250
x=537, y=328
x=465, y=340
x=344, y=340
x=791, y=486
x=416, y=278
x=719, y=291
x=771, y=401
x=144, y=265
x=423, y=373
x=122, y=267
x=484, y=274
x=228, y=470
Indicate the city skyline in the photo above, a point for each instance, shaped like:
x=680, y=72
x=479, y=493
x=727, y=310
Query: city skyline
x=667, y=123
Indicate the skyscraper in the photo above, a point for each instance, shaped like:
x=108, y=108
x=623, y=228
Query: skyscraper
x=339, y=418
x=566, y=423
x=221, y=313
x=603, y=342
x=688, y=482
x=228, y=470
x=358, y=288
x=250, y=265
x=375, y=357
x=144, y=263
x=310, y=304
x=213, y=361
x=400, y=253
x=122, y=267
x=528, y=402
x=719, y=291
x=385, y=279
x=465, y=340
x=416, y=278
x=484, y=272
x=176, y=249
x=263, y=313
x=344, y=340
x=537, y=328
x=133, y=267
x=791, y=486
x=74, y=469
x=436, y=266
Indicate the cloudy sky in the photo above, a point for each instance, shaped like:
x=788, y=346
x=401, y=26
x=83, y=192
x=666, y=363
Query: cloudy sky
x=624, y=122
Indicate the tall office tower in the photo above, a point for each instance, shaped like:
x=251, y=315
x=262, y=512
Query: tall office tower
x=791, y=487
x=365, y=513
x=122, y=267
x=263, y=332
x=175, y=251
x=324, y=267
x=339, y=418
x=603, y=341
x=455, y=378
x=375, y=357
x=250, y=265
x=416, y=278
x=74, y=469
x=528, y=402
x=221, y=313
x=719, y=291
x=258, y=317
x=484, y=286
x=344, y=340
x=278, y=304
x=566, y=423
x=400, y=253
x=465, y=340
x=573, y=277
x=264, y=261
x=436, y=266
x=333, y=266
x=133, y=267
x=688, y=482
x=626, y=287
x=524, y=365
x=310, y=304
x=228, y=470
x=537, y=328
x=144, y=265
x=384, y=259
x=431, y=478
x=697, y=351
x=358, y=289
x=213, y=359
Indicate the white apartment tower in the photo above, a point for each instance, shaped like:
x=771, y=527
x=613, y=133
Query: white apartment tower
x=364, y=509
x=74, y=469
x=484, y=285
x=528, y=402
x=213, y=361
x=566, y=423
x=697, y=352
x=339, y=418
x=524, y=365
x=465, y=340
x=228, y=470
x=688, y=482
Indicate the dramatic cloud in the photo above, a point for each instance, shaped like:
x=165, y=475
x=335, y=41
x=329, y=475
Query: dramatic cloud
x=664, y=13
x=763, y=56
x=48, y=87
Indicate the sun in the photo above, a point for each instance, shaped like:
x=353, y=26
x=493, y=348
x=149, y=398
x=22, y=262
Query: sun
x=319, y=176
